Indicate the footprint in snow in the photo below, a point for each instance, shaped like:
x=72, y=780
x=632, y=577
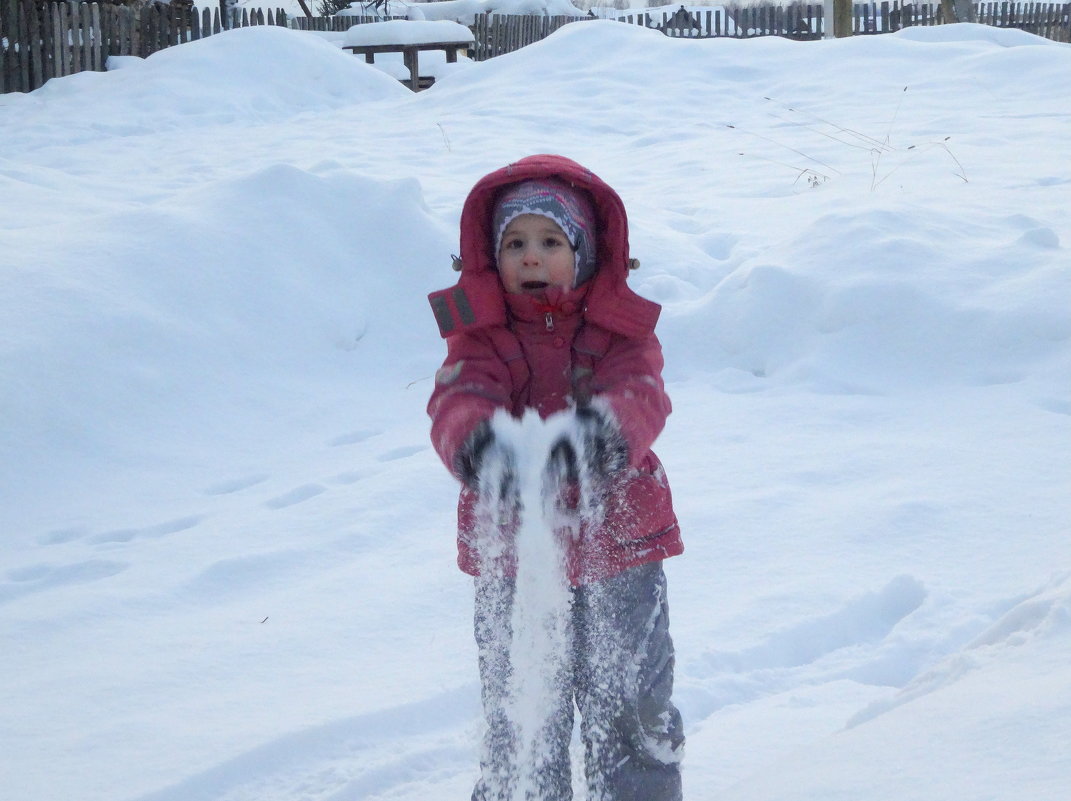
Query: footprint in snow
x=61, y=535
x=295, y=496
x=420, y=749
x=148, y=532
x=38, y=578
x=401, y=453
x=718, y=245
x=869, y=618
x=235, y=484
x=352, y=438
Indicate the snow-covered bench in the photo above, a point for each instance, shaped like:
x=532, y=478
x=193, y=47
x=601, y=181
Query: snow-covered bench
x=410, y=38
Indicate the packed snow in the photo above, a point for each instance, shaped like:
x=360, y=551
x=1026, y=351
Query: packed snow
x=228, y=563
x=407, y=32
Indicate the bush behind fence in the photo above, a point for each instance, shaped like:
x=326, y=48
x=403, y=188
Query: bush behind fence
x=40, y=40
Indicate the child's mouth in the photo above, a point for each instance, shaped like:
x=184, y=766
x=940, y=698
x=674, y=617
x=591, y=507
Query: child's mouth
x=534, y=286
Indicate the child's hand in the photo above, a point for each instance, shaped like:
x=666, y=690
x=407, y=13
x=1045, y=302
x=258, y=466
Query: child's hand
x=599, y=443
x=605, y=451
x=470, y=455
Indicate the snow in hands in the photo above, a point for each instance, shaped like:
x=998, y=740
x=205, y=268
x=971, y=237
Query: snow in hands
x=526, y=474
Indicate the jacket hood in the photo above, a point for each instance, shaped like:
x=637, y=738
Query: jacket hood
x=478, y=301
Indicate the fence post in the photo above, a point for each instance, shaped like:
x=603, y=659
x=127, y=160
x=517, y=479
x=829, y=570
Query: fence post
x=59, y=65
x=3, y=49
x=80, y=14
x=842, y=18
x=99, y=57
x=34, y=45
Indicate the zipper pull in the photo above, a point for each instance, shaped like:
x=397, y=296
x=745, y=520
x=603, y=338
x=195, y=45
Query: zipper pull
x=550, y=320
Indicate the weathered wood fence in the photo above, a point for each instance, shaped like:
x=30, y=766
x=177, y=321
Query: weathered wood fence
x=42, y=40
x=333, y=24
x=498, y=34
x=794, y=21
x=1050, y=20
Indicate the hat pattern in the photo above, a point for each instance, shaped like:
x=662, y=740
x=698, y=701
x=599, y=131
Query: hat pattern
x=569, y=208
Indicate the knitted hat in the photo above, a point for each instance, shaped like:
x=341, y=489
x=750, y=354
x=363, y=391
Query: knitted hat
x=570, y=208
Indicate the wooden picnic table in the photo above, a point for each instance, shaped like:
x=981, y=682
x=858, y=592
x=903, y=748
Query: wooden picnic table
x=410, y=54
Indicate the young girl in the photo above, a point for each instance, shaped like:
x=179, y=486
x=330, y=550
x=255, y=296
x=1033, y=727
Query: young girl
x=542, y=318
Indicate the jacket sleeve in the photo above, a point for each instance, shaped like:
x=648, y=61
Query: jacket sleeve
x=472, y=383
x=628, y=380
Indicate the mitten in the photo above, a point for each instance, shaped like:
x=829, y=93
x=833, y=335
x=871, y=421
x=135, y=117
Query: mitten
x=471, y=454
x=604, y=449
x=562, y=460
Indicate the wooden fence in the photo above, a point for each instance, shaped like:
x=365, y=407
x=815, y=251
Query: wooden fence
x=498, y=34
x=793, y=21
x=42, y=40
x=1049, y=20
x=333, y=24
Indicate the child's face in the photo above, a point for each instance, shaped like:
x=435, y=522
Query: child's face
x=535, y=254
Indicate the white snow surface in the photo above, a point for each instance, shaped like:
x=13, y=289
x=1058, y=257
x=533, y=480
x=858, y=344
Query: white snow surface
x=228, y=549
x=402, y=31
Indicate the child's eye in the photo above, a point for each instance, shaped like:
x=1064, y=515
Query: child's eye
x=512, y=244
x=552, y=242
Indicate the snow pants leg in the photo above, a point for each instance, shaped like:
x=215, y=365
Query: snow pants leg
x=619, y=672
x=500, y=771
x=633, y=735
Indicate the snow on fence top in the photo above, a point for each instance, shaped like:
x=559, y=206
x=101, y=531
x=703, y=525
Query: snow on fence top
x=402, y=31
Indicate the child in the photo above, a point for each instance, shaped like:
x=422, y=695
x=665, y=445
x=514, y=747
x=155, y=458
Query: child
x=541, y=318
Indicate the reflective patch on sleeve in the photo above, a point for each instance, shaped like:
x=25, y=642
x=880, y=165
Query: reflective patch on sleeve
x=442, y=314
x=449, y=373
x=464, y=310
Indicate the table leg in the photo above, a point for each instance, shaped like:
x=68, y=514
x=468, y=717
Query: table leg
x=414, y=70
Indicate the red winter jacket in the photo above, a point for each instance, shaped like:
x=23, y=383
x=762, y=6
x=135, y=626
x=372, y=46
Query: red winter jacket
x=509, y=352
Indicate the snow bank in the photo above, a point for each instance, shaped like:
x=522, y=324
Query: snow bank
x=259, y=73
x=968, y=32
x=169, y=318
x=912, y=312
x=985, y=710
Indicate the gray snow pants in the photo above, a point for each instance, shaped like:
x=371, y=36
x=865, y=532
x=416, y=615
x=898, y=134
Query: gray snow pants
x=619, y=672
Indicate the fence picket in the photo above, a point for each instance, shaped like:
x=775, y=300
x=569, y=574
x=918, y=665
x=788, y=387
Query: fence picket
x=3, y=47
x=24, y=52
x=34, y=30
x=98, y=55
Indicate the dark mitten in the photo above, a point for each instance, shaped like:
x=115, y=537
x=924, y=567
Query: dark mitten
x=604, y=449
x=470, y=455
x=563, y=460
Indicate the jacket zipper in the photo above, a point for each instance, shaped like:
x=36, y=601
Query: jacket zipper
x=550, y=320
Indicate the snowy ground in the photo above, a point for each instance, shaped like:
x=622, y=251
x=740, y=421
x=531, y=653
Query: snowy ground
x=227, y=566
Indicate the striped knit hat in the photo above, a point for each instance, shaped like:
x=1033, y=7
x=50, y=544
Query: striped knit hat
x=570, y=208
